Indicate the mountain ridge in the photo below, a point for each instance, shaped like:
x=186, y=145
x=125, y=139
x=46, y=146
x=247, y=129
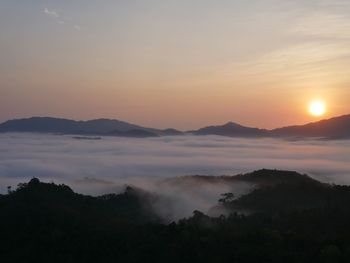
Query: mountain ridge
x=332, y=128
x=102, y=126
x=232, y=129
x=335, y=127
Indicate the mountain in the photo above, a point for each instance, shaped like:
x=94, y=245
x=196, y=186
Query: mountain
x=268, y=177
x=276, y=191
x=296, y=220
x=266, y=190
x=90, y=127
x=334, y=128
x=258, y=179
x=232, y=129
x=170, y=132
x=136, y=133
x=48, y=124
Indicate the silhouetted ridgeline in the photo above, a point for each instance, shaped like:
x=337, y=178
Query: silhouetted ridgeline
x=232, y=129
x=335, y=128
x=292, y=218
x=92, y=127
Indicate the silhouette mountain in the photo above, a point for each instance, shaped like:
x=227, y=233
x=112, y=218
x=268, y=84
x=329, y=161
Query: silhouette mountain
x=334, y=128
x=170, y=132
x=136, y=133
x=259, y=178
x=90, y=127
x=233, y=130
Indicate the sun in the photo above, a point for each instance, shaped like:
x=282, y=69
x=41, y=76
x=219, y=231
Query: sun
x=317, y=108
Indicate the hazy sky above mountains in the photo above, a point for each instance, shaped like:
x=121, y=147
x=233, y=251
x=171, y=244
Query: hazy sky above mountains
x=184, y=63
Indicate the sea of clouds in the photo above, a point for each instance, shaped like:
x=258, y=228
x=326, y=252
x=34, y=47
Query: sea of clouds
x=107, y=165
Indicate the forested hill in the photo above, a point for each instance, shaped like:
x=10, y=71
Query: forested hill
x=293, y=219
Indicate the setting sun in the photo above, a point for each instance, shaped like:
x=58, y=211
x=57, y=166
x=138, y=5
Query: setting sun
x=317, y=108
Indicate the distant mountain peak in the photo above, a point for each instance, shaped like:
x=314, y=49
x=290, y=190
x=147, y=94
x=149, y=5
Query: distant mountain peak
x=66, y=126
x=231, y=123
x=231, y=129
x=333, y=128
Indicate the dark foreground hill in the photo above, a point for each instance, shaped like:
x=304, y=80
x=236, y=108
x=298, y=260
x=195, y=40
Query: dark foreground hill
x=292, y=218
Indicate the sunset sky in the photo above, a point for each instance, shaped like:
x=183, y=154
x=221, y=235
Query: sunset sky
x=180, y=63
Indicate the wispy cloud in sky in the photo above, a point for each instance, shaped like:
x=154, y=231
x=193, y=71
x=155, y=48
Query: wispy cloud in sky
x=51, y=13
x=59, y=18
x=324, y=25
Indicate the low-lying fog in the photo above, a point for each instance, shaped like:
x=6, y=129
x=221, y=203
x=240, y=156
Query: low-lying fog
x=104, y=166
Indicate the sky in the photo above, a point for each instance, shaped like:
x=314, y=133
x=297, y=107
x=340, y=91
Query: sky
x=183, y=64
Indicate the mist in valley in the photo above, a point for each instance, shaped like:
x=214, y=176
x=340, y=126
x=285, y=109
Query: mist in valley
x=97, y=167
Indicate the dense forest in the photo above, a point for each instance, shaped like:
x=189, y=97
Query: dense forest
x=287, y=217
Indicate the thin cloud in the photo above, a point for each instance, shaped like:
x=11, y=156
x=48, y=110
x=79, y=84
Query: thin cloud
x=51, y=13
x=59, y=18
x=323, y=26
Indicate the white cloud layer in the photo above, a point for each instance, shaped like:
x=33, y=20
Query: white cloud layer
x=104, y=166
x=115, y=161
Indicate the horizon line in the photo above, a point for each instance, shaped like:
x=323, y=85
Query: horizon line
x=228, y=122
